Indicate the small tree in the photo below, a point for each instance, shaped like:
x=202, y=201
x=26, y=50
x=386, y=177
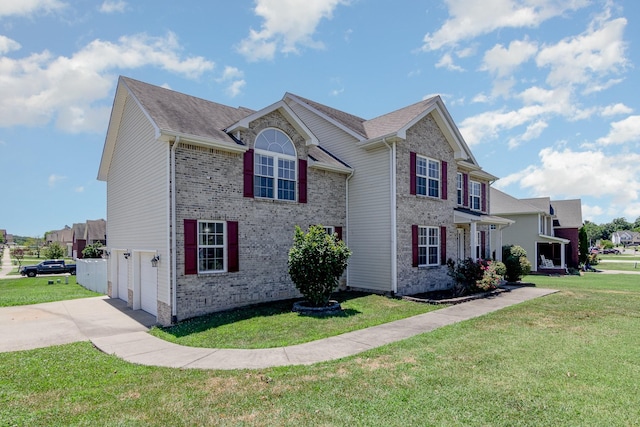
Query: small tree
x=54, y=251
x=583, y=246
x=316, y=262
x=18, y=254
x=516, y=262
x=92, y=251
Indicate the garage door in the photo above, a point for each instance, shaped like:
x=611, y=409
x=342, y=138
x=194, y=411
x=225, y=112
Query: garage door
x=148, y=284
x=123, y=277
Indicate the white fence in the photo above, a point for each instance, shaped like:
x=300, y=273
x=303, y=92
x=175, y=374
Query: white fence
x=92, y=274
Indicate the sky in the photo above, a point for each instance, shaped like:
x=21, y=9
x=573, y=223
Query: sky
x=545, y=92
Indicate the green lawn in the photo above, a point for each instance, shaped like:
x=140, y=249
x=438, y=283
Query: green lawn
x=620, y=266
x=27, y=290
x=275, y=325
x=568, y=359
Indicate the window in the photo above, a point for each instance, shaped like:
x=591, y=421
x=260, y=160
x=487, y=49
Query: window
x=211, y=246
x=428, y=245
x=460, y=188
x=427, y=177
x=274, y=166
x=475, y=195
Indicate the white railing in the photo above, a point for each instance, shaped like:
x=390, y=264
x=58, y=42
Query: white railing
x=92, y=274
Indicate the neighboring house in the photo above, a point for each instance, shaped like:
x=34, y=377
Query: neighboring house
x=79, y=242
x=203, y=198
x=625, y=238
x=546, y=229
x=64, y=237
x=96, y=232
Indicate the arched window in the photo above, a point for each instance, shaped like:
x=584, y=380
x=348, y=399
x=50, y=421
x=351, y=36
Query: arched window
x=274, y=166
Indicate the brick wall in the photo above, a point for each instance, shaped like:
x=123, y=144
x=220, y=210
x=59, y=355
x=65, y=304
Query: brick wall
x=209, y=186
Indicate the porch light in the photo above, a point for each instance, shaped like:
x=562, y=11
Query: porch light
x=154, y=261
x=127, y=255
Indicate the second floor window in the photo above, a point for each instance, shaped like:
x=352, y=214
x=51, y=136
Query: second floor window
x=475, y=195
x=427, y=177
x=275, y=166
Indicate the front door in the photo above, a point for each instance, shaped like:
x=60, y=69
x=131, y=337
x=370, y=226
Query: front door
x=460, y=243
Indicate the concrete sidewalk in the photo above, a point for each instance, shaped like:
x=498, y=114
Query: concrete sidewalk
x=117, y=330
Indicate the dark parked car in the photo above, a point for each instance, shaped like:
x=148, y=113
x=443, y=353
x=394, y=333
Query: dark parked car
x=611, y=251
x=52, y=266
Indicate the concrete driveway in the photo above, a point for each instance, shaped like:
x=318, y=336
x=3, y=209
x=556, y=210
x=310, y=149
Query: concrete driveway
x=63, y=322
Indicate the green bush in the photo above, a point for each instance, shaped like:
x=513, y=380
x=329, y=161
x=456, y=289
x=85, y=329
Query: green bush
x=516, y=262
x=54, y=251
x=316, y=262
x=475, y=276
x=92, y=251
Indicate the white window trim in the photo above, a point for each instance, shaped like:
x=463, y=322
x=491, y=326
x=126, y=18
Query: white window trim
x=276, y=170
x=475, y=185
x=423, y=242
x=223, y=246
x=427, y=178
x=459, y=189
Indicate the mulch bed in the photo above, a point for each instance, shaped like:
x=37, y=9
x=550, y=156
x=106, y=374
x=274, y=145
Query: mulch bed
x=447, y=297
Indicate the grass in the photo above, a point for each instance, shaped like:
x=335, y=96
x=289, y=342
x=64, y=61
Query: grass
x=570, y=359
x=619, y=266
x=37, y=290
x=275, y=325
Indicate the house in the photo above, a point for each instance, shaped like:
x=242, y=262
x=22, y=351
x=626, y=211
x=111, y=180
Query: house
x=203, y=198
x=546, y=229
x=64, y=237
x=79, y=242
x=625, y=238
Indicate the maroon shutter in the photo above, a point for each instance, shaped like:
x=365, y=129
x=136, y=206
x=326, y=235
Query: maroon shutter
x=443, y=181
x=414, y=244
x=338, y=231
x=465, y=190
x=483, y=244
x=248, y=173
x=233, y=258
x=190, y=246
x=484, y=197
x=443, y=245
x=412, y=172
x=302, y=181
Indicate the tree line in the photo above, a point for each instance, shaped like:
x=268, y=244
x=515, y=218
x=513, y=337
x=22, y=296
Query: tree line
x=604, y=231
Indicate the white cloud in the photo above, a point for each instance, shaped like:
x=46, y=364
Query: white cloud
x=28, y=7
x=533, y=131
x=55, y=179
x=586, y=58
x=40, y=87
x=568, y=174
x=616, y=109
x=8, y=45
x=287, y=25
x=111, y=6
x=79, y=189
x=447, y=62
x=236, y=78
x=627, y=130
x=469, y=19
x=502, y=61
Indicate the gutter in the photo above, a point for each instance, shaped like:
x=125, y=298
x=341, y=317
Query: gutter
x=345, y=236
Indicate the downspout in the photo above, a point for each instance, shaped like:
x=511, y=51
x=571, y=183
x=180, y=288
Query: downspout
x=345, y=236
x=174, y=256
x=394, y=220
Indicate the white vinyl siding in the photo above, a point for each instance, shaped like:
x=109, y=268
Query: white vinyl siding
x=138, y=194
x=368, y=232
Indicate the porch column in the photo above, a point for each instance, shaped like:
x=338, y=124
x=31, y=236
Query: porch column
x=473, y=240
x=563, y=262
x=499, y=243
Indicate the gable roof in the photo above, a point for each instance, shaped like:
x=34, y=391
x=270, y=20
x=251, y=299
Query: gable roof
x=373, y=132
x=503, y=204
x=172, y=114
x=568, y=213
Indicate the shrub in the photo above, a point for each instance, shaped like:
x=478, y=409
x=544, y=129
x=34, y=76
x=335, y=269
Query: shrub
x=316, y=262
x=92, y=251
x=516, y=262
x=54, y=251
x=474, y=276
